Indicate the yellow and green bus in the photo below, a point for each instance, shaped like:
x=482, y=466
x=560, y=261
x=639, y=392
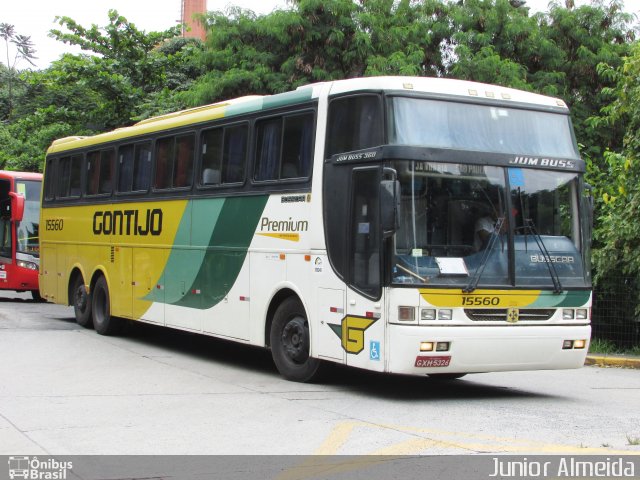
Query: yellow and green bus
x=407, y=225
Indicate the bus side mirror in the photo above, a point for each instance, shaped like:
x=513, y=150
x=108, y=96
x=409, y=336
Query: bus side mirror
x=17, y=206
x=389, y=207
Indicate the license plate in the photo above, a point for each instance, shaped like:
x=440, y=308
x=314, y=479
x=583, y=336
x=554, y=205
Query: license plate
x=432, y=361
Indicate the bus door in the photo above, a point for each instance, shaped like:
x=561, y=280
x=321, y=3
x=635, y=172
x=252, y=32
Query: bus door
x=6, y=233
x=363, y=335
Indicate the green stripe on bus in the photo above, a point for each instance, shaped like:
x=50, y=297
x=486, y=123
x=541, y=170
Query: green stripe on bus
x=201, y=277
x=571, y=298
x=267, y=102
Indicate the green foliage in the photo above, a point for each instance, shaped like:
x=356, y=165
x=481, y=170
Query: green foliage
x=618, y=177
x=604, y=347
x=128, y=75
x=122, y=47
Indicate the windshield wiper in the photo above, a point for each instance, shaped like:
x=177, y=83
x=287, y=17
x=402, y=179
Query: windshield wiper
x=555, y=278
x=473, y=283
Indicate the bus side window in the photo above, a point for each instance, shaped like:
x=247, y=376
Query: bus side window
x=125, y=168
x=164, y=163
x=234, y=156
x=50, y=184
x=70, y=175
x=269, y=143
x=297, y=146
x=107, y=161
x=92, y=173
x=183, y=165
x=142, y=167
x=354, y=123
x=211, y=164
x=99, y=172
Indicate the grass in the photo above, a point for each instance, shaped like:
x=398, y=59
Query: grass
x=633, y=440
x=607, y=347
x=603, y=346
x=635, y=351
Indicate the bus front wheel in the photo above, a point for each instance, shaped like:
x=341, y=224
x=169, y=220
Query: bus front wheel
x=81, y=303
x=35, y=294
x=103, y=322
x=446, y=376
x=290, y=342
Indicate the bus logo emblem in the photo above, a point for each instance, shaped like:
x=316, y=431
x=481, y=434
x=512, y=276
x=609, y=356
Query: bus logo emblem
x=351, y=332
x=513, y=315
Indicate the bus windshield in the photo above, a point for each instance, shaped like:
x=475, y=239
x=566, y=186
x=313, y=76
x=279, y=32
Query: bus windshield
x=483, y=128
x=28, y=229
x=500, y=226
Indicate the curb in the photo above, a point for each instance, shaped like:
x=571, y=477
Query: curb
x=613, y=361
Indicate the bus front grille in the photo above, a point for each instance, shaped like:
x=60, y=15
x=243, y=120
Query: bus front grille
x=500, y=314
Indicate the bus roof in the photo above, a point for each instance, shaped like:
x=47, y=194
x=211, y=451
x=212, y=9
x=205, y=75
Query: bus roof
x=445, y=87
x=21, y=175
x=255, y=103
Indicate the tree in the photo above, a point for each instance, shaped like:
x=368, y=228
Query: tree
x=125, y=49
x=129, y=75
x=618, y=230
x=24, y=50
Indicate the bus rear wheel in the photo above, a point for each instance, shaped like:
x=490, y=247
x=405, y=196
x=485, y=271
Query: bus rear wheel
x=291, y=341
x=103, y=322
x=81, y=303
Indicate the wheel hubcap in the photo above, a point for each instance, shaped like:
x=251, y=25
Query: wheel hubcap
x=294, y=340
x=81, y=299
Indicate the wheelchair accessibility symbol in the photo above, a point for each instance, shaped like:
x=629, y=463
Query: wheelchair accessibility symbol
x=374, y=350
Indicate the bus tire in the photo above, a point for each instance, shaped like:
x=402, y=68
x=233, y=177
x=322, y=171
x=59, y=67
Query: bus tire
x=290, y=342
x=445, y=377
x=103, y=322
x=81, y=303
x=35, y=294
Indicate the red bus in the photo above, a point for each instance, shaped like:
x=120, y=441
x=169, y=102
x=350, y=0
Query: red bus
x=19, y=229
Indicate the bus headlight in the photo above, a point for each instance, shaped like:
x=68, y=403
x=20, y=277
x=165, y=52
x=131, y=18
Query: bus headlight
x=27, y=265
x=428, y=314
x=445, y=314
x=567, y=314
x=582, y=314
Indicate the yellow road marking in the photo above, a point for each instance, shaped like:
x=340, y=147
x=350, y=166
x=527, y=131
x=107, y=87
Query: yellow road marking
x=326, y=460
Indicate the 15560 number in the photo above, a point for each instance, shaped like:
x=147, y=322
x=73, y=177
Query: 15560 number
x=480, y=301
x=54, y=225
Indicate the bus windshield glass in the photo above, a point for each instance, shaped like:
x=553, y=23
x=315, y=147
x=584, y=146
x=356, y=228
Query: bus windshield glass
x=484, y=128
x=491, y=226
x=28, y=229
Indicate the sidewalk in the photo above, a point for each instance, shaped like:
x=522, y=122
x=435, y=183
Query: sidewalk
x=611, y=360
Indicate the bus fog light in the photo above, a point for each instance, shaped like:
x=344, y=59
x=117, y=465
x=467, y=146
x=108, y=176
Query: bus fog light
x=442, y=347
x=579, y=344
x=567, y=314
x=582, y=314
x=426, y=346
x=406, y=314
x=567, y=345
x=428, y=314
x=445, y=314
